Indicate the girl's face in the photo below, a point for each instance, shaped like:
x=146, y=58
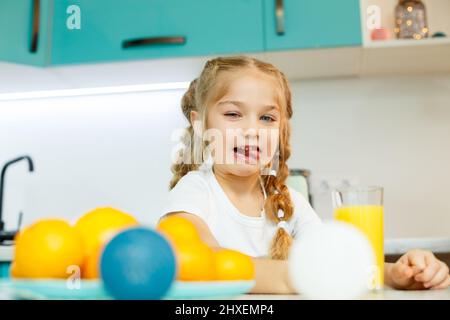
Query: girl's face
x=243, y=126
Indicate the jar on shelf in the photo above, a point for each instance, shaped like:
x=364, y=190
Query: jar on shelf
x=411, y=20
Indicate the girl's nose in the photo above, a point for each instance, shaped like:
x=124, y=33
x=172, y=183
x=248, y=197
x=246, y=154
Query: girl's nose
x=251, y=128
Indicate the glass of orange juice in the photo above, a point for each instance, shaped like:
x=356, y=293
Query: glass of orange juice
x=363, y=208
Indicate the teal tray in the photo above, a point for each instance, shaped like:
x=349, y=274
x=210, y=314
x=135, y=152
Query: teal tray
x=208, y=289
x=94, y=290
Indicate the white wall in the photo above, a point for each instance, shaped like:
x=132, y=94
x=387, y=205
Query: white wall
x=115, y=150
x=392, y=132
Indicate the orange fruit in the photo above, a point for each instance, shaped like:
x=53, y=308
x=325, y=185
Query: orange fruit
x=100, y=225
x=13, y=271
x=90, y=268
x=195, y=261
x=46, y=249
x=178, y=229
x=233, y=265
x=97, y=227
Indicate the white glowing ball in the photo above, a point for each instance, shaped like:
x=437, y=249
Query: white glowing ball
x=331, y=261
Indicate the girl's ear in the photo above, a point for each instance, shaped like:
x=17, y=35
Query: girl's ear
x=196, y=123
x=193, y=116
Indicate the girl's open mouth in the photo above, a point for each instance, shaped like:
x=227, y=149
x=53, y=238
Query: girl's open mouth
x=247, y=153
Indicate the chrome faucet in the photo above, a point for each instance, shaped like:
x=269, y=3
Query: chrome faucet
x=9, y=235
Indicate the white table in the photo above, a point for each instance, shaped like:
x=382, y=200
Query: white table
x=386, y=294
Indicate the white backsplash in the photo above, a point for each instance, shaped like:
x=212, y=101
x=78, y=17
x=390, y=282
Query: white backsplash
x=89, y=152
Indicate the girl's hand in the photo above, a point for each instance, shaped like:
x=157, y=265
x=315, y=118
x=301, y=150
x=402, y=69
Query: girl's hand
x=418, y=269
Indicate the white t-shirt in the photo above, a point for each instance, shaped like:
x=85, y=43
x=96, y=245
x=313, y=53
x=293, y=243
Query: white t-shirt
x=199, y=193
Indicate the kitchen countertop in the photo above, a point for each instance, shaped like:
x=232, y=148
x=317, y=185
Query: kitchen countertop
x=386, y=294
x=6, y=253
x=402, y=245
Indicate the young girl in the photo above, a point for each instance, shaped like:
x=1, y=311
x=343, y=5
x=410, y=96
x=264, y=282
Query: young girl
x=236, y=194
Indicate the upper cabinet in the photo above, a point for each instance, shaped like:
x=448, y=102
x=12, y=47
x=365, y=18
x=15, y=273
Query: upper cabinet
x=60, y=32
x=54, y=32
x=138, y=29
x=24, y=31
x=304, y=24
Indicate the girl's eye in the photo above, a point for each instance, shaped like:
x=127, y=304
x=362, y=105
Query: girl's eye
x=232, y=114
x=267, y=118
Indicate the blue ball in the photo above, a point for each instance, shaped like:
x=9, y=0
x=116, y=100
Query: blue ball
x=138, y=264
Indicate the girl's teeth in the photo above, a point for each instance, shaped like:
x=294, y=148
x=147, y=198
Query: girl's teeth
x=247, y=152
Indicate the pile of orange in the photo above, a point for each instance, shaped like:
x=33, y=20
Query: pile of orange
x=53, y=248
x=198, y=262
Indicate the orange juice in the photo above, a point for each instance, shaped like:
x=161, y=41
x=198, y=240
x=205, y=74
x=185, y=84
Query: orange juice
x=369, y=219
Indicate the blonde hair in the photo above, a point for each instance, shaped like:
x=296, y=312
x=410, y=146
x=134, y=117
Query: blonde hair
x=204, y=91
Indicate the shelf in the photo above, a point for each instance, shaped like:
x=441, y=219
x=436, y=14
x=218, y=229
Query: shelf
x=438, y=12
x=406, y=56
x=396, y=43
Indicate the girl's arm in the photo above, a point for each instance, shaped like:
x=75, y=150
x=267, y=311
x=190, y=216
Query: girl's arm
x=271, y=276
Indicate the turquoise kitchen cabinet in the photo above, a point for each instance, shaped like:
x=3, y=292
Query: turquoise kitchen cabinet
x=58, y=32
x=305, y=24
x=138, y=29
x=79, y=31
x=24, y=31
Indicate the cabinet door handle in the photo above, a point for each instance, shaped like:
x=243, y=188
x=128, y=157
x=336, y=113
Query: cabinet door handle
x=279, y=16
x=35, y=26
x=141, y=42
